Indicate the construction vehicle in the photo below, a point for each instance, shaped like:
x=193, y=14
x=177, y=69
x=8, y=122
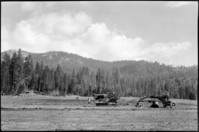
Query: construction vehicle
x=155, y=101
x=106, y=99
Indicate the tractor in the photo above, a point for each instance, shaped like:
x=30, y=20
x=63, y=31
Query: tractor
x=106, y=99
x=154, y=100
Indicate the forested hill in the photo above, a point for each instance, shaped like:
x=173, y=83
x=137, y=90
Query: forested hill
x=69, y=61
x=63, y=73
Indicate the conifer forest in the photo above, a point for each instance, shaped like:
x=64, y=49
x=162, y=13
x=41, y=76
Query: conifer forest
x=142, y=78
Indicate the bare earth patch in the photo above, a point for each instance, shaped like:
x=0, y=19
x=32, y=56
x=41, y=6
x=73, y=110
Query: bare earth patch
x=68, y=113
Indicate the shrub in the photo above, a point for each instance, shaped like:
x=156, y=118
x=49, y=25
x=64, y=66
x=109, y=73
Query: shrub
x=192, y=96
x=54, y=93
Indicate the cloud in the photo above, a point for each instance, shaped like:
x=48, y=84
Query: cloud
x=177, y=4
x=52, y=29
x=5, y=43
x=167, y=49
x=76, y=33
x=26, y=37
x=28, y=6
x=36, y=6
x=61, y=24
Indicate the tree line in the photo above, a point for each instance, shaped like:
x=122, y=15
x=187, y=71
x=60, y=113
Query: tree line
x=19, y=74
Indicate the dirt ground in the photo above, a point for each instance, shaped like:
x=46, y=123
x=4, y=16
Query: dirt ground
x=69, y=113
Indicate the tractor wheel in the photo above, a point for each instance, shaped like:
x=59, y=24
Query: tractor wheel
x=140, y=104
x=172, y=104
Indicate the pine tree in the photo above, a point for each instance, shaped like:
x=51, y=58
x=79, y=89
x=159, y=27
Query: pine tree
x=58, y=78
x=93, y=82
x=37, y=78
x=41, y=77
x=116, y=77
x=52, y=82
x=2, y=86
x=72, y=84
x=15, y=72
x=45, y=77
x=5, y=80
x=19, y=69
x=27, y=70
x=98, y=80
x=65, y=80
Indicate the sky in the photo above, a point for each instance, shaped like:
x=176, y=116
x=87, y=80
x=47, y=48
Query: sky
x=160, y=31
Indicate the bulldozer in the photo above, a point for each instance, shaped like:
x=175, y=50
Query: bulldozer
x=106, y=99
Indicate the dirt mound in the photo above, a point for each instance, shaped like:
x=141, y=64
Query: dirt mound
x=125, y=102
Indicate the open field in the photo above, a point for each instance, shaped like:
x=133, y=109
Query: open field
x=70, y=113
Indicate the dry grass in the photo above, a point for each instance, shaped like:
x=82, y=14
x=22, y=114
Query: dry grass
x=77, y=101
x=69, y=113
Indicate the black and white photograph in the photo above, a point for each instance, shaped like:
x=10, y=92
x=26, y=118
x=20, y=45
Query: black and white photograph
x=99, y=65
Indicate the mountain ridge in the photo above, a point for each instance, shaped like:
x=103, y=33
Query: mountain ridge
x=69, y=61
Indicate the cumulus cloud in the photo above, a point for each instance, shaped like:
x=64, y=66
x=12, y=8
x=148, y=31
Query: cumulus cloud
x=25, y=36
x=61, y=24
x=177, y=4
x=75, y=33
x=5, y=33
